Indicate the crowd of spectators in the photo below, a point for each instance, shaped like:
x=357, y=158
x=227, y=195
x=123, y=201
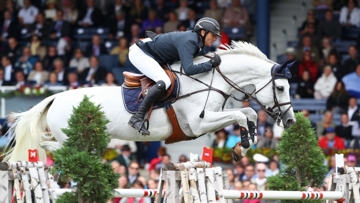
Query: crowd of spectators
x=42, y=38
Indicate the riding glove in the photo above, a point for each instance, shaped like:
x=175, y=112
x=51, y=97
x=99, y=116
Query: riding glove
x=215, y=61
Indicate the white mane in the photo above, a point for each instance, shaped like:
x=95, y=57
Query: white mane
x=241, y=47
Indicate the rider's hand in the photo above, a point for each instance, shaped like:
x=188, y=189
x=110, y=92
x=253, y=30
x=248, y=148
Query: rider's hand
x=215, y=61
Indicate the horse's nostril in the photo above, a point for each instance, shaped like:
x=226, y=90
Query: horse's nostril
x=290, y=122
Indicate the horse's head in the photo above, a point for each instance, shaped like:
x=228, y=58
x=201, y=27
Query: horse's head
x=274, y=94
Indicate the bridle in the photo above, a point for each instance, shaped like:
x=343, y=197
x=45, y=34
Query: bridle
x=276, y=115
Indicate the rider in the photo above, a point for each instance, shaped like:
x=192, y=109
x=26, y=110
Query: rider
x=146, y=55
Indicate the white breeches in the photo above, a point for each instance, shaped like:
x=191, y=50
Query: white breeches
x=147, y=65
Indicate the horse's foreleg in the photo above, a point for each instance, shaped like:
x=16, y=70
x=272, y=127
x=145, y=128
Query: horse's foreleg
x=51, y=146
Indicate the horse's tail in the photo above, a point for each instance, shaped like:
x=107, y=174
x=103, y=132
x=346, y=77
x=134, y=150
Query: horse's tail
x=27, y=129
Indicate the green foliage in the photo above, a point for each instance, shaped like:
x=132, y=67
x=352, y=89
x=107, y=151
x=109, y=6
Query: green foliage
x=80, y=158
x=304, y=160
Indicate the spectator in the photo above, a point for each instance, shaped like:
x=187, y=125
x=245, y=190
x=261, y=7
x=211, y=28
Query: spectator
x=171, y=24
x=134, y=174
x=350, y=14
x=50, y=57
x=214, y=11
x=329, y=27
x=305, y=88
x=27, y=14
x=344, y=129
x=91, y=16
x=110, y=80
x=125, y=158
x=353, y=109
x=151, y=22
x=308, y=64
x=13, y=49
x=326, y=50
x=53, y=80
x=191, y=20
x=306, y=114
x=166, y=159
x=234, y=137
x=50, y=12
x=336, y=68
x=121, y=50
x=351, y=160
x=291, y=56
x=70, y=12
x=262, y=124
x=10, y=6
x=39, y=74
x=239, y=171
x=9, y=71
x=9, y=27
x=123, y=183
x=338, y=99
x=260, y=179
x=138, y=12
x=161, y=10
x=60, y=71
x=307, y=46
x=60, y=27
x=310, y=31
x=351, y=63
x=182, y=11
x=274, y=167
x=324, y=124
x=231, y=177
x=65, y=49
x=220, y=139
x=119, y=26
x=325, y=84
x=155, y=163
x=249, y=173
x=93, y=74
x=183, y=158
x=19, y=79
x=268, y=141
x=72, y=78
x=352, y=82
x=80, y=62
x=236, y=16
x=96, y=48
x=331, y=140
x=117, y=7
x=310, y=18
x=36, y=47
x=40, y=27
x=26, y=61
x=2, y=79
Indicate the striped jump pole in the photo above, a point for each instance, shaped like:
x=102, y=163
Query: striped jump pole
x=237, y=194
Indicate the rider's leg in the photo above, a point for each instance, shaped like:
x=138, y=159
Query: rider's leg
x=154, y=71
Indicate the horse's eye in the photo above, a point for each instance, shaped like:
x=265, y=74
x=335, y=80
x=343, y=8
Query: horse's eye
x=281, y=89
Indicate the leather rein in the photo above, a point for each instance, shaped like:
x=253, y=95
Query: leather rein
x=276, y=115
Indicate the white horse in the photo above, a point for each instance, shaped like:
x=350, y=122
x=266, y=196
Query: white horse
x=242, y=64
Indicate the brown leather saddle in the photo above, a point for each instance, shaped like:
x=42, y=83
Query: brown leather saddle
x=136, y=80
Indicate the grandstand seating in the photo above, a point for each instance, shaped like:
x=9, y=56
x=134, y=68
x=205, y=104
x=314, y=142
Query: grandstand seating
x=82, y=34
x=235, y=33
x=109, y=61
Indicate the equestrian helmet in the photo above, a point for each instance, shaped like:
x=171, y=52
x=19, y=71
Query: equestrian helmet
x=207, y=24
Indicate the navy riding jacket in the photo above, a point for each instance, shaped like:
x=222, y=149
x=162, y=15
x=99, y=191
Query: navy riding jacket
x=178, y=46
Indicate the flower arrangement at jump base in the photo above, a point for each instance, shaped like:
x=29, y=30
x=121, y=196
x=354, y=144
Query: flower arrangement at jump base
x=27, y=90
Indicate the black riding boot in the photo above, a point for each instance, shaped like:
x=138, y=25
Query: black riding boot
x=137, y=120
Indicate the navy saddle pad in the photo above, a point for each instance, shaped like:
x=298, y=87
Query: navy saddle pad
x=132, y=104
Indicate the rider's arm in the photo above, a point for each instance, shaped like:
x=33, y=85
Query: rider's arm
x=186, y=53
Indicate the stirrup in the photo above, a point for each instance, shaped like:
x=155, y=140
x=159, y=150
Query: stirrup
x=244, y=137
x=140, y=128
x=142, y=125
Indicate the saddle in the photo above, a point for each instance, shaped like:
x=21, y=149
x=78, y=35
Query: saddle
x=135, y=80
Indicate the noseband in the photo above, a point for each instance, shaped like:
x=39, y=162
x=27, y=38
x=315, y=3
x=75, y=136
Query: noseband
x=276, y=115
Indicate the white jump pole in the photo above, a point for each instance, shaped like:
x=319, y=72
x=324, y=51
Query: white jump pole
x=236, y=194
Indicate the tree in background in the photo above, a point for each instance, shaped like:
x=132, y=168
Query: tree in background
x=80, y=158
x=304, y=160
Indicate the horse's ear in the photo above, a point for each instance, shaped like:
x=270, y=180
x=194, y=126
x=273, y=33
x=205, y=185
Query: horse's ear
x=286, y=64
x=290, y=64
